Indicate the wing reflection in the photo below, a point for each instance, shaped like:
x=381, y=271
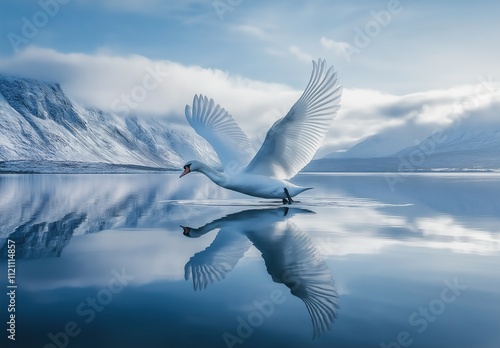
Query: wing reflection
x=290, y=256
x=217, y=260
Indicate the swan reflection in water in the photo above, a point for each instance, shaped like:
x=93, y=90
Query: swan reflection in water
x=290, y=256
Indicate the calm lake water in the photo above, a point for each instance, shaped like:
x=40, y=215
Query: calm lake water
x=361, y=261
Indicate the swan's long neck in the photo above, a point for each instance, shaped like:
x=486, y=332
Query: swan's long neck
x=214, y=175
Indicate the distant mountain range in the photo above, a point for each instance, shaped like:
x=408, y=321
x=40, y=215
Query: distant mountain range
x=40, y=125
x=470, y=144
x=42, y=130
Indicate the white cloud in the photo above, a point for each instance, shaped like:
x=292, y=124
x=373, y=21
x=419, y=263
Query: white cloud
x=299, y=54
x=339, y=47
x=367, y=112
x=100, y=79
x=252, y=30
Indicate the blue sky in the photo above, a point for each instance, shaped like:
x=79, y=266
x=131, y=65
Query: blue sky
x=392, y=47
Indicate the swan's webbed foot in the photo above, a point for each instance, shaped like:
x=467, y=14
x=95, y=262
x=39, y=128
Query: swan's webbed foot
x=289, y=199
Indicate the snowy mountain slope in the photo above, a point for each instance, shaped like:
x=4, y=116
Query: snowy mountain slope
x=464, y=137
x=472, y=142
x=387, y=142
x=39, y=122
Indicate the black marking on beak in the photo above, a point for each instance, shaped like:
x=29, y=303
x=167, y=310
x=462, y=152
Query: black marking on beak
x=186, y=230
x=187, y=170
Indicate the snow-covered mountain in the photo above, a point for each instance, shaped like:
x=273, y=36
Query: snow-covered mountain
x=480, y=132
x=472, y=142
x=38, y=122
x=387, y=142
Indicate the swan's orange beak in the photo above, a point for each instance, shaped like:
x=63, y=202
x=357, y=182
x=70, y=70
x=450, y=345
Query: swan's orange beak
x=186, y=171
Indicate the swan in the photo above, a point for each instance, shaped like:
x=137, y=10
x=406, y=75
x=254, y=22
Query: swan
x=290, y=255
x=289, y=146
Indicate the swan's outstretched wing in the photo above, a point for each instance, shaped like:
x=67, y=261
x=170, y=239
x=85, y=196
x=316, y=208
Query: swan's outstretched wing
x=292, y=258
x=217, y=260
x=218, y=127
x=292, y=141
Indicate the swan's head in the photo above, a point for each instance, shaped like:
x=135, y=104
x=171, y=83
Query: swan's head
x=191, y=166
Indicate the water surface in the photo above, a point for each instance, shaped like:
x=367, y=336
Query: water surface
x=361, y=261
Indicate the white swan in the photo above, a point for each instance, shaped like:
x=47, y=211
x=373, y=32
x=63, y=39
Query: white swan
x=288, y=147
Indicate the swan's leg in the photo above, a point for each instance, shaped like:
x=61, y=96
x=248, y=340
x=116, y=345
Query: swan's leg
x=285, y=201
x=290, y=200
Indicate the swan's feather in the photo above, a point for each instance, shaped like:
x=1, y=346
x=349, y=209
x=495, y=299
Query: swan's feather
x=217, y=260
x=294, y=260
x=290, y=255
x=292, y=141
x=217, y=126
x=310, y=279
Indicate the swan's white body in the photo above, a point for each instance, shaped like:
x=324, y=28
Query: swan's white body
x=289, y=146
x=250, y=184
